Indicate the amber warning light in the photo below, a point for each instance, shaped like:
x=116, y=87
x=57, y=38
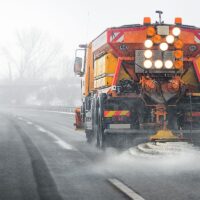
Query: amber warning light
x=147, y=20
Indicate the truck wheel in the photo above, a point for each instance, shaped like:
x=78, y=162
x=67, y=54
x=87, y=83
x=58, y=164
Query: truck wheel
x=89, y=136
x=101, y=138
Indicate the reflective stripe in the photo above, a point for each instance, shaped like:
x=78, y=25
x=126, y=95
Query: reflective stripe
x=125, y=112
x=116, y=113
x=117, y=36
x=109, y=113
x=193, y=114
x=197, y=37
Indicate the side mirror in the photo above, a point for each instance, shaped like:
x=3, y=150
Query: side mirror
x=80, y=60
x=78, y=66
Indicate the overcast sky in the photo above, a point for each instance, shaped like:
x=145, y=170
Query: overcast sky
x=78, y=21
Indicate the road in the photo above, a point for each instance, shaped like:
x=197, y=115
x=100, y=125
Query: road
x=43, y=157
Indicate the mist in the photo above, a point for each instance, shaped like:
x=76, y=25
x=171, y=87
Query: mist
x=131, y=162
x=37, y=72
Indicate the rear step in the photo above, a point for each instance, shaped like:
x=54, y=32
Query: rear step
x=146, y=132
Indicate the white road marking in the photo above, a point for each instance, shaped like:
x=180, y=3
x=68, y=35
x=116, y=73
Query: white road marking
x=29, y=123
x=61, y=112
x=58, y=140
x=64, y=145
x=125, y=189
x=53, y=111
x=20, y=118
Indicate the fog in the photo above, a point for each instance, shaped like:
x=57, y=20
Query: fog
x=38, y=72
x=38, y=40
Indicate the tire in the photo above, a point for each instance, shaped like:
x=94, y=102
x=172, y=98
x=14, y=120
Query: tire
x=89, y=136
x=101, y=138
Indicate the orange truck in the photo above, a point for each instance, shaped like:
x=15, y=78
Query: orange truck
x=138, y=80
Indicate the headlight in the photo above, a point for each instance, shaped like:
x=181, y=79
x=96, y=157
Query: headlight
x=170, y=39
x=148, y=43
x=158, y=64
x=168, y=64
x=147, y=64
x=148, y=54
x=176, y=31
x=163, y=46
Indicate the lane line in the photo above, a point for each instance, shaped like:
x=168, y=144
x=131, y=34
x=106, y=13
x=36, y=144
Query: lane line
x=125, y=189
x=60, y=112
x=57, y=139
x=22, y=119
x=53, y=111
x=29, y=123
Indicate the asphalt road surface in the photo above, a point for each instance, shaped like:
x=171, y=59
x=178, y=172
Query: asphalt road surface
x=43, y=157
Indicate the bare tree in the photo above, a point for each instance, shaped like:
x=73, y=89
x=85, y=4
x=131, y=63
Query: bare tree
x=38, y=69
x=33, y=55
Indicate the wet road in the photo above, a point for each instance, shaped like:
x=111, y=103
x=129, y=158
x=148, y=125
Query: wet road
x=43, y=157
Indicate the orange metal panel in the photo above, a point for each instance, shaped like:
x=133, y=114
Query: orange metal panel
x=187, y=37
x=135, y=36
x=89, y=75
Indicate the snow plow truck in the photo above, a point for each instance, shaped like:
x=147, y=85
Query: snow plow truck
x=140, y=81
